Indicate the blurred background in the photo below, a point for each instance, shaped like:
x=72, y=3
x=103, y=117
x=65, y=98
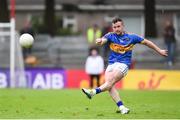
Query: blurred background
x=64, y=31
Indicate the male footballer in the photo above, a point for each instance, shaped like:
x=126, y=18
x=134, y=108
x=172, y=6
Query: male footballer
x=121, y=44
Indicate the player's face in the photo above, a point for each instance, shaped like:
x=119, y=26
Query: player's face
x=118, y=27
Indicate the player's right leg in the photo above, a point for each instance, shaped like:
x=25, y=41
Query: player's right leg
x=91, y=92
x=108, y=83
x=111, y=77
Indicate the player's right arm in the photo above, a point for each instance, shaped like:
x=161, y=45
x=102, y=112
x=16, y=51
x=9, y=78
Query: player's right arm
x=101, y=41
x=107, y=37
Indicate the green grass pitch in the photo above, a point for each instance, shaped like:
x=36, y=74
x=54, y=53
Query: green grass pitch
x=73, y=104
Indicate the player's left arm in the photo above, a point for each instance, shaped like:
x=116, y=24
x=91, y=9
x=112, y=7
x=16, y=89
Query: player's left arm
x=155, y=47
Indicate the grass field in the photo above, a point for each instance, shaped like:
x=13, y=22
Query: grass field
x=25, y=103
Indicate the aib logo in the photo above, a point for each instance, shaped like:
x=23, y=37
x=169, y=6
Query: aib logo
x=153, y=83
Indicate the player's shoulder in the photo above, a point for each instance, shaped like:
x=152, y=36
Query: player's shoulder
x=110, y=33
x=133, y=34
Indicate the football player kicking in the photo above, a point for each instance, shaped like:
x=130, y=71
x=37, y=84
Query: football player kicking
x=121, y=44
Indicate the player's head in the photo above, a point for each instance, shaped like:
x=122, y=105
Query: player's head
x=118, y=25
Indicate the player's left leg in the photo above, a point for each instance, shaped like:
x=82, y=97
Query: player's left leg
x=118, y=73
x=115, y=96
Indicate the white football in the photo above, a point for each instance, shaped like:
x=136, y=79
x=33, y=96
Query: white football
x=26, y=40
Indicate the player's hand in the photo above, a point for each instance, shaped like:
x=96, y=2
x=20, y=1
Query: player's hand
x=99, y=41
x=163, y=53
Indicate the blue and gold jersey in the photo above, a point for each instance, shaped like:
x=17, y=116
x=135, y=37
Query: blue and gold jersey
x=121, y=47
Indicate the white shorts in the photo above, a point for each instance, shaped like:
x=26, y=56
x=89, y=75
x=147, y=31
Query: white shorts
x=123, y=68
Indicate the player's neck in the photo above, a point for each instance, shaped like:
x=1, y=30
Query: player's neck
x=122, y=33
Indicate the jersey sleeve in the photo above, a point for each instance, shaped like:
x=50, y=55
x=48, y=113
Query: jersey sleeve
x=108, y=36
x=137, y=39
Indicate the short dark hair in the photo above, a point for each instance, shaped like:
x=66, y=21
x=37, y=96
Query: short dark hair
x=117, y=19
x=93, y=48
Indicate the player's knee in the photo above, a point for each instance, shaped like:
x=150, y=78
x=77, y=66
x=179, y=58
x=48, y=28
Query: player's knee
x=110, y=89
x=109, y=85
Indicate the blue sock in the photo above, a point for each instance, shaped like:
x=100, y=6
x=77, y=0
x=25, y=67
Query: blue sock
x=98, y=90
x=119, y=103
